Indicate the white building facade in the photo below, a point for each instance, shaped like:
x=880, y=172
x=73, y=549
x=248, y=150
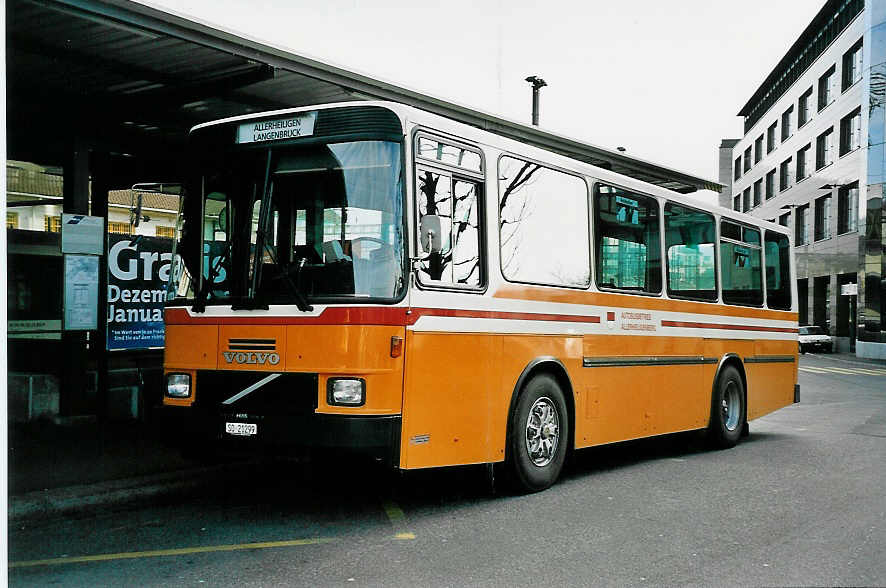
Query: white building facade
x=811, y=158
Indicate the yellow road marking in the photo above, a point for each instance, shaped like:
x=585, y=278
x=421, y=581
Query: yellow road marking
x=398, y=520
x=166, y=552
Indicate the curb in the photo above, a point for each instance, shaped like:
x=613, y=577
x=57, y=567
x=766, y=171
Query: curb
x=57, y=502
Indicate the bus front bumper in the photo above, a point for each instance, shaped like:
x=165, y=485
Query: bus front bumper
x=377, y=436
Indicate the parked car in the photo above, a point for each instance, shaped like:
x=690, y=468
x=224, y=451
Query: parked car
x=814, y=338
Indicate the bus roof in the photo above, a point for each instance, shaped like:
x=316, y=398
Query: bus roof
x=573, y=148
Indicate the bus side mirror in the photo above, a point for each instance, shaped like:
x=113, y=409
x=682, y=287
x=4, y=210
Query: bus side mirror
x=223, y=220
x=431, y=241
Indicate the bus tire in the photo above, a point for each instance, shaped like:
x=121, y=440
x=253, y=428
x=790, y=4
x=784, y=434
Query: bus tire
x=727, y=409
x=539, y=434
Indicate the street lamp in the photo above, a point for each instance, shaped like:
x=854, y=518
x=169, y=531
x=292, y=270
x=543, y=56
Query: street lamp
x=537, y=84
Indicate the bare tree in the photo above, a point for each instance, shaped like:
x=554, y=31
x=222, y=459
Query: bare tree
x=520, y=180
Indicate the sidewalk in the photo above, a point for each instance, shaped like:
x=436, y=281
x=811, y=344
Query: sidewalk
x=59, y=468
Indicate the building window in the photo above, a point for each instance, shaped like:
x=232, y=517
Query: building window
x=52, y=224
x=11, y=220
x=770, y=137
x=824, y=149
x=758, y=192
x=800, y=231
x=784, y=174
x=826, y=87
x=736, y=203
x=802, y=158
x=770, y=184
x=747, y=159
x=786, y=124
x=800, y=234
x=852, y=66
x=758, y=149
x=746, y=200
x=166, y=232
x=803, y=110
x=119, y=228
x=850, y=131
x=822, y=212
x=785, y=219
x=737, y=168
x=847, y=208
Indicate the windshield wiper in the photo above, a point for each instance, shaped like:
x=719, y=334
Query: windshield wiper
x=300, y=301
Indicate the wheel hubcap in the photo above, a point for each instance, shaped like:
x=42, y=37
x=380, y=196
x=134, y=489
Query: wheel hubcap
x=542, y=432
x=731, y=405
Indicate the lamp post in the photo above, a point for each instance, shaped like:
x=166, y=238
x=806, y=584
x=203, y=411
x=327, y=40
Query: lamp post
x=537, y=84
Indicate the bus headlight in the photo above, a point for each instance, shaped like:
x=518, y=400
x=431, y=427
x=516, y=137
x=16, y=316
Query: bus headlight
x=178, y=385
x=346, y=391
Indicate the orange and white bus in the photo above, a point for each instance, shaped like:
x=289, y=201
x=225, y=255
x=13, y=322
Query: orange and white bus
x=375, y=277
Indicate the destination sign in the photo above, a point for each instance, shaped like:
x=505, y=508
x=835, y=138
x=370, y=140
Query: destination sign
x=279, y=129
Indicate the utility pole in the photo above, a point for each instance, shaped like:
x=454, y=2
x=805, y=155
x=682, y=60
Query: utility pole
x=537, y=84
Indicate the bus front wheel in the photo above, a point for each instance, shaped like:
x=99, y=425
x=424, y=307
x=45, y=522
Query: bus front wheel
x=727, y=409
x=539, y=434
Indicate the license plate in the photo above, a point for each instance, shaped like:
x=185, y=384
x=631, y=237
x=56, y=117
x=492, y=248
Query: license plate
x=245, y=429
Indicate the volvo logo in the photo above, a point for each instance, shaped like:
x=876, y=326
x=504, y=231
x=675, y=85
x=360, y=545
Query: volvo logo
x=252, y=351
x=251, y=357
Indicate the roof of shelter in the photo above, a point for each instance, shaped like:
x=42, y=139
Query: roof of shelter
x=144, y=77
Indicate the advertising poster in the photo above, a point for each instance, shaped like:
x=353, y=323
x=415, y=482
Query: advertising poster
x=138, y=270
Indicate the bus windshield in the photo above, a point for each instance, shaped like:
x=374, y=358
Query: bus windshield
x=291, y=224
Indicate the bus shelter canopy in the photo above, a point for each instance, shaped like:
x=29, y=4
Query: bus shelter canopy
x=134, y=79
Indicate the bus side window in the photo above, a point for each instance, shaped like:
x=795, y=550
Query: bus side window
x=448, y=215
x=543, y=225
x=628, y=242
x=778, y=268
x=466, y=234
x=690, y=239
x=740, y=259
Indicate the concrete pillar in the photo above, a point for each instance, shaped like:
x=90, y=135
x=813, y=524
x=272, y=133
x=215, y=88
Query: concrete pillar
x=101, y=185
x=72, y=393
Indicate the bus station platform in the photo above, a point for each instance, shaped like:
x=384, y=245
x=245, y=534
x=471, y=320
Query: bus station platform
x=71, y=466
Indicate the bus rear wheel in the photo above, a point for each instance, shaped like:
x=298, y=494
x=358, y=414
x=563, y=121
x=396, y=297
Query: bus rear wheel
x=727, y=409
x=539, y=434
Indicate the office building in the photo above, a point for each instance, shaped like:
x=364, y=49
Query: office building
x=812, y=158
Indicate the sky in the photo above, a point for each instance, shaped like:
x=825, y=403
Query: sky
x=662, y=78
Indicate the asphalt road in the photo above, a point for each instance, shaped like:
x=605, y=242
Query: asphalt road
x=802, y=501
